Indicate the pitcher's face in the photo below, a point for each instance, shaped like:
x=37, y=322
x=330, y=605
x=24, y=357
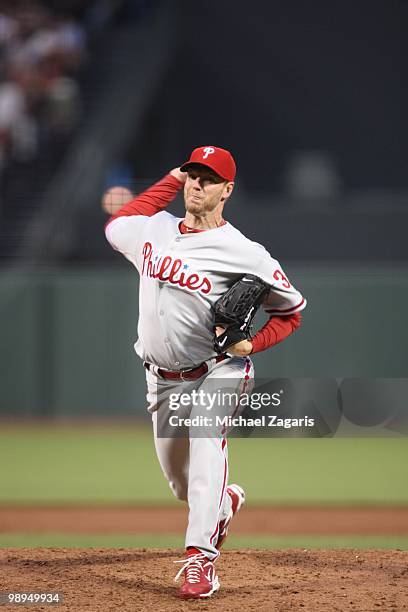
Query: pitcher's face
x=204, y=190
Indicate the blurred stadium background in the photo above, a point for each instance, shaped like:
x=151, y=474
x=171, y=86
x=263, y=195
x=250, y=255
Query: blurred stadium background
x=311, y=99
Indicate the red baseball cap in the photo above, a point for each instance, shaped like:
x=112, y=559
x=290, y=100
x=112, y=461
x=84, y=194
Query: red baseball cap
x=219, y=160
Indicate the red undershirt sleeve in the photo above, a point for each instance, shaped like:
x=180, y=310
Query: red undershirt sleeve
x=274, y=331
x=151, y=201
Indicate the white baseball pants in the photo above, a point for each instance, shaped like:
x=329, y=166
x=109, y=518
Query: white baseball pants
x=197, y=467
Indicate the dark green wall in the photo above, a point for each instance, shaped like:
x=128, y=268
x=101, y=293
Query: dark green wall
x=67, y=337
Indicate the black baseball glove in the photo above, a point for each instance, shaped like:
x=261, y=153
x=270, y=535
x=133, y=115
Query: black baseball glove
x=236, y=309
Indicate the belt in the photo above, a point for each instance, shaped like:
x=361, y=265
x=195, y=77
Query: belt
x=183, y=375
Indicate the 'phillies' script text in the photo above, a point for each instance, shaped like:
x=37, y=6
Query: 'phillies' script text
x=172, y=271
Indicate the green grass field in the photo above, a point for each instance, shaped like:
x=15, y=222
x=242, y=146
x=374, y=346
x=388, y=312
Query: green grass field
x=117, y=465
x=171, y=540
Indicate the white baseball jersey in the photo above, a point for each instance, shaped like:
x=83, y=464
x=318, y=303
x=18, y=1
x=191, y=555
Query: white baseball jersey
x=181, y=278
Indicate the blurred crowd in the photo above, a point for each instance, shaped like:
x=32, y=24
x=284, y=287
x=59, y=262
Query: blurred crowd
x=40, y=54
x=46, y=48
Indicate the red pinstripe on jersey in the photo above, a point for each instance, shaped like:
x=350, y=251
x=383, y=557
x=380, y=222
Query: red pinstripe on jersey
x=285, y=311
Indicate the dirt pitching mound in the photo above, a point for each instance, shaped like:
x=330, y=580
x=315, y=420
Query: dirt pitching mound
x=140, y=579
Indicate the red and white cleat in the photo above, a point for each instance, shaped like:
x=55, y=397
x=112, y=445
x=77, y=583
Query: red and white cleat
x=200, y=579
x=237, y=495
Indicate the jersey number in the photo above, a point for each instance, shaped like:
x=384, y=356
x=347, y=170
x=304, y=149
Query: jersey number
x=279, y=276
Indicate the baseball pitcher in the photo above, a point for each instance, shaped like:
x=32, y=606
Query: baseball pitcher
x=201, y=282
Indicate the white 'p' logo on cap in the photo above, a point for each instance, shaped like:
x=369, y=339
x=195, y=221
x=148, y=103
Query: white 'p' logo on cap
x=208, y=151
